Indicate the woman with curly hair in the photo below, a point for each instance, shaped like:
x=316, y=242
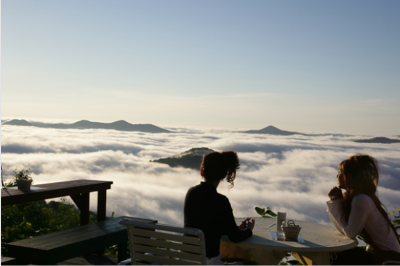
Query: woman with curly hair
x=210, y=211
x=360, y=212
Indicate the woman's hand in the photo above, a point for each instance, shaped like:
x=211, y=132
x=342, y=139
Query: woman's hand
x=247, y=224
x=243, y=225
x=335, y=193
x=251, y=224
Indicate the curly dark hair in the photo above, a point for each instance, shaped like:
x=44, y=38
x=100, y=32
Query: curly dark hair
x=218, y=165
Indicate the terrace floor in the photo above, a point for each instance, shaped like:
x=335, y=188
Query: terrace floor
x=91, y=259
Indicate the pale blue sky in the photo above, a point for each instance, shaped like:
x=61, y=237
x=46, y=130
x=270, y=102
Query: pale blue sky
x=324, y=66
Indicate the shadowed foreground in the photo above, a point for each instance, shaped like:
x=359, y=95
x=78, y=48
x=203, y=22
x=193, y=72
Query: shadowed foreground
x=91, y=259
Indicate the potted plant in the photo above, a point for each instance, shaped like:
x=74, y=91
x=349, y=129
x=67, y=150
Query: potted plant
x=23, y=178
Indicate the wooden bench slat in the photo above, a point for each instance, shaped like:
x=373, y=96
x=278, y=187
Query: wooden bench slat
x=140, y=263
x=165, y=244
x=161, y=235
x=59, y=239
x=163, y=260
x=162, y=252
x=9, y=261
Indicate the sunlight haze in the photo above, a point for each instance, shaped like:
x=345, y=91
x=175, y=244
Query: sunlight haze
x=135, y=92
x=315, y=66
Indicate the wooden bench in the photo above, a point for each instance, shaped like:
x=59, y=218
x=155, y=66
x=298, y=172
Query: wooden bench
x=74, y=242
x=9, y=261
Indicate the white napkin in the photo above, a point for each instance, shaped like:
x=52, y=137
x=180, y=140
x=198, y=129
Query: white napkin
x=281, y=236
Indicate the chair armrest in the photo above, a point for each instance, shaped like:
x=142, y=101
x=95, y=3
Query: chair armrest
x=125, y=262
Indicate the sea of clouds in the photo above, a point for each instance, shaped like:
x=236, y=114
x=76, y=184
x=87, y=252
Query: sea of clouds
x=287, y=173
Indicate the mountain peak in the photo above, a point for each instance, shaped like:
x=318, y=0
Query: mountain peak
x=120, y=122
x=18, y=122
x=271, y=127
x=81, y=122
x=272, y=131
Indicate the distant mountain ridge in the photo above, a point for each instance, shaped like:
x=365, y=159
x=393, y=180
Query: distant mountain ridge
x=17, y=122
x=379, y=140
x=120, y=125
x=272, y=131
x=188, y=159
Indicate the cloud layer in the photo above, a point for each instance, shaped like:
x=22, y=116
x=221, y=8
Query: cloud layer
x=287, y=173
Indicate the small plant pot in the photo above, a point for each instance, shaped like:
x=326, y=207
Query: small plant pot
x=24, y=184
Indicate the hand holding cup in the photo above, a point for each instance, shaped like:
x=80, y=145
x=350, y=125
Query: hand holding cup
x=248, y=223
x=335, y=193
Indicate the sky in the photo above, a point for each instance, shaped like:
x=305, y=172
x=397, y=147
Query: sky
x=286, y=173
x=309, y=66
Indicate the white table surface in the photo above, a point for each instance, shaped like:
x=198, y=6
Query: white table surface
x=319, y=240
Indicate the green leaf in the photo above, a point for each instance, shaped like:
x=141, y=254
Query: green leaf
x=260, y=211
x=271, y=213
x=392, y=213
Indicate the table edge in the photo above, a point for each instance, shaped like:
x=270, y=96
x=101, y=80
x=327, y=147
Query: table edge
x=244, y=244
x=291, y=248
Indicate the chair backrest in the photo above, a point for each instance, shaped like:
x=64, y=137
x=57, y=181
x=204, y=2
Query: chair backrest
x=165, y=244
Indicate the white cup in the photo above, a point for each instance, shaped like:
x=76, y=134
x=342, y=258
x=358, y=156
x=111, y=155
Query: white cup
x=281, y=217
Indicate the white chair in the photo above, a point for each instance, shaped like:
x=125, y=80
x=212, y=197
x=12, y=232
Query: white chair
x=164, y=244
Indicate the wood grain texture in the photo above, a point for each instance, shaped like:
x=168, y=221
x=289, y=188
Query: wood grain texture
x=168, y=253
x=62, y=245
x=163, y=260
x=160, y=235
x=165, y=244
x=101, y=205
x=52, y=190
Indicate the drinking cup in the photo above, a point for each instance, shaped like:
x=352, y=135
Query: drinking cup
x=281, y=217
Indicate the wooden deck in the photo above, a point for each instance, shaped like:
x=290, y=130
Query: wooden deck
x=91, y=259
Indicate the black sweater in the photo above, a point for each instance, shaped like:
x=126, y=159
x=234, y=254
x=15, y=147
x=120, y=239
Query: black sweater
x=211, y=212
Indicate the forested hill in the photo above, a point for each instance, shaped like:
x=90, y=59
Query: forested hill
x=379, y=140
x=189, y=159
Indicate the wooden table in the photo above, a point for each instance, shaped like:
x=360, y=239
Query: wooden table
x=78, y=190
x=319, y=239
